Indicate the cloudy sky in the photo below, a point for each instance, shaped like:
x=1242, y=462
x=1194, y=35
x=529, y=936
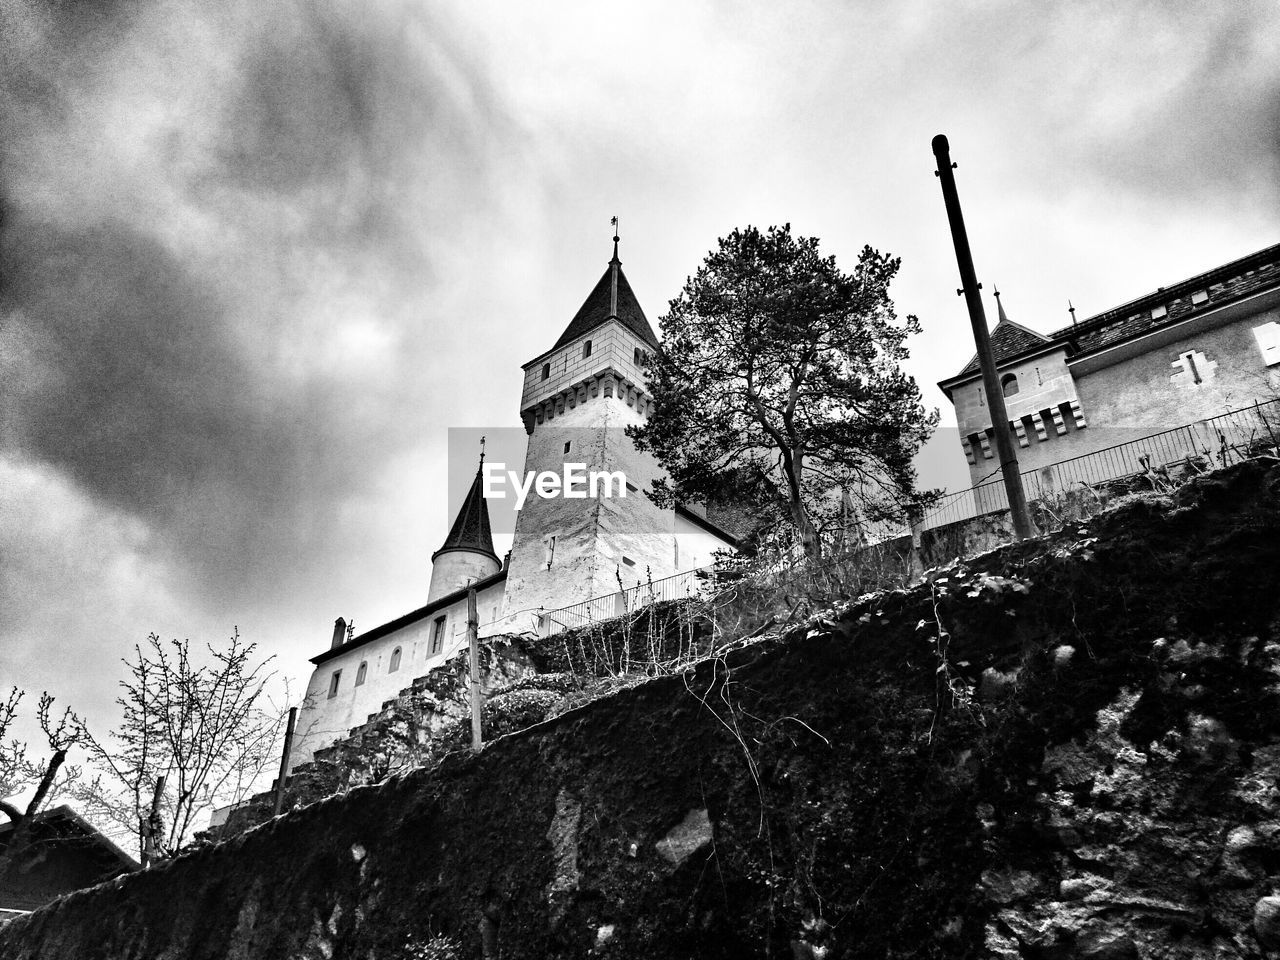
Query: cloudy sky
x=257, y=259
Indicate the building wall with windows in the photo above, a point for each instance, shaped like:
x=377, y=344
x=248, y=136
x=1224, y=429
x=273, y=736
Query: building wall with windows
x=352, y=681
x=1203, y=347
x=576, y=409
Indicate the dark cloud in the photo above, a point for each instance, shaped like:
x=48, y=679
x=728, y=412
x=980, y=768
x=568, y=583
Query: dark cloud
x=199, y=205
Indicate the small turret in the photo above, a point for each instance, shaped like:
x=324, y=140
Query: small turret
x=467, y=554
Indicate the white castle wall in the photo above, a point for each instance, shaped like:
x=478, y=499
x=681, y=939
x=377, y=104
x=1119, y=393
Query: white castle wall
x=324, y=719
x=569, y=550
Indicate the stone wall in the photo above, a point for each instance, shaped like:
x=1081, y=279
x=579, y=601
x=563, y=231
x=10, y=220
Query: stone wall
x=1068, y=748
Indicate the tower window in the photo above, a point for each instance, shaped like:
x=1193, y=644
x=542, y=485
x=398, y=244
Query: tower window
x=1009, y=384
x=567, y=444
x=550, y=544
x=628, y=561
x=546, y=371
x=360, y=674
x=437, y=635
x=333, y=683
x=395, y=661
x=586, y=350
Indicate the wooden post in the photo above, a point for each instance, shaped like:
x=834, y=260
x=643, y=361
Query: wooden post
x=284, y=760
x=982, y=339
x=477, y=700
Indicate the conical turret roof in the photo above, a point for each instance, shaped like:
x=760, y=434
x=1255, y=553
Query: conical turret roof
x=471, y=530
x=599, y=308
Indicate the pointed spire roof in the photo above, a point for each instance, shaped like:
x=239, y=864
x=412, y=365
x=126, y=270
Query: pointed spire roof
x=611, y=298
x=1000, y=309
x=1008, y=339
x=471, y=530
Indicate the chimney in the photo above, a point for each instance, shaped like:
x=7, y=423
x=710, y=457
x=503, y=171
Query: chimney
x=339, y=633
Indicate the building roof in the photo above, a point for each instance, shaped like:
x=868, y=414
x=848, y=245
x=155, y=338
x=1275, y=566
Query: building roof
x=597, y=309
x=1231, y=281
x=1008, y=339
x=471, y=530
x=1163, y=307
x=62, y=827
x=391, y=626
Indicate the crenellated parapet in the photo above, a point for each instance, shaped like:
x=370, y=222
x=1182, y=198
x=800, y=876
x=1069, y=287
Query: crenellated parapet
x=606, y=383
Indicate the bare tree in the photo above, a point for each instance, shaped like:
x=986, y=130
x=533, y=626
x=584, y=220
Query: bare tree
x=49, y=779
x=192, y=737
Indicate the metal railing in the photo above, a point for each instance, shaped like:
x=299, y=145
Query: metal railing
x=679, y=586
x=1199, y=445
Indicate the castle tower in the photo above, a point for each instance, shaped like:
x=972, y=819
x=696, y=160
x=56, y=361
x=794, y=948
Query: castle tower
x=578, y=398
x=467, y=554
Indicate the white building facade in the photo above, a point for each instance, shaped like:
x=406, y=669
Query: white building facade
x=578, y=398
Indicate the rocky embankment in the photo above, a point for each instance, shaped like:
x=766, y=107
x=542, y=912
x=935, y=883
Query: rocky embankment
x=1066, y=748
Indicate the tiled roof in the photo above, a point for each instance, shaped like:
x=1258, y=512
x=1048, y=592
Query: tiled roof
x=595, y=310
x=1008, y=339
x=470, y=530
x=1205, y=291
x=1232, y=281
x=413, y=616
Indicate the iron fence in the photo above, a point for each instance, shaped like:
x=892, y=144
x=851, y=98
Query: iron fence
x=1193, y=447
x=679, y=586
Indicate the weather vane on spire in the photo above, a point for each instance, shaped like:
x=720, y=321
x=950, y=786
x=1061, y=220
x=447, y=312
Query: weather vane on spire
x=614, y=220
x=482, y=451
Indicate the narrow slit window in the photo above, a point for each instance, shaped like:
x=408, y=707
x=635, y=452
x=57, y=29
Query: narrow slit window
x=546, y=371
x=334, y=681
x=437, y=635
x=586, y=350
x=395, y=661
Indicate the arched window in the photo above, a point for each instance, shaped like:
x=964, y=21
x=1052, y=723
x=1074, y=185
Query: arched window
x=1009, y=384
x=360, y=674
x=586, y=350
x=395, y=660
x=333, y=683
x=546, y=371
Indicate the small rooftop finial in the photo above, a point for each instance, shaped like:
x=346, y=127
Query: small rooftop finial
x=1071, y=310
x=481, y=467
x=1000, y=308
x=613, y=270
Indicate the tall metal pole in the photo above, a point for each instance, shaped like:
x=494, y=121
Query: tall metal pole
x=473, y=640
x=982, y=337
x=284, y=760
